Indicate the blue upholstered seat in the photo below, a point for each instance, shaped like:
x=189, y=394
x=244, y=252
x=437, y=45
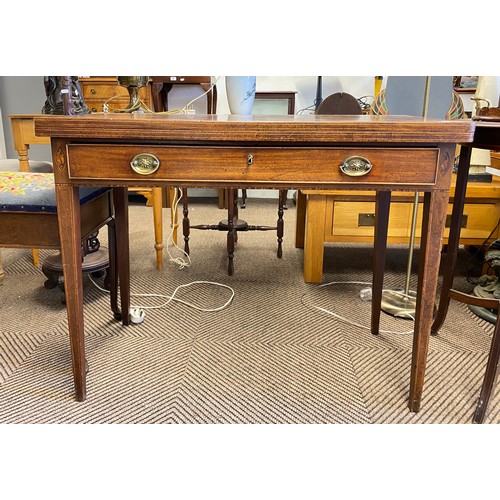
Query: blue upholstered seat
x=35, y=192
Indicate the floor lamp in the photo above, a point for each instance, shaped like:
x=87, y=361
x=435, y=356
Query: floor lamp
x=403, y=303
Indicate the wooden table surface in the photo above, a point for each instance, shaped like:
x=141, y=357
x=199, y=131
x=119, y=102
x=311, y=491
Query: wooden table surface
x=297, y=152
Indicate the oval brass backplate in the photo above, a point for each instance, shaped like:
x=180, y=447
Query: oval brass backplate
x=356, y=166
x=145, y=163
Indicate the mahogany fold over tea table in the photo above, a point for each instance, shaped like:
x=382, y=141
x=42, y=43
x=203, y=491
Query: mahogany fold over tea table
x=382, y=153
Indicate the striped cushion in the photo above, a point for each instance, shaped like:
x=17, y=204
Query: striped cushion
x=35, y=192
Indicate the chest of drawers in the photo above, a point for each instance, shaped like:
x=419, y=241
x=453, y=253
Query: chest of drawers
x=100, y=90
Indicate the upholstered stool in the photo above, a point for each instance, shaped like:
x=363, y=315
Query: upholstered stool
x=13, y=165
x=28, y=219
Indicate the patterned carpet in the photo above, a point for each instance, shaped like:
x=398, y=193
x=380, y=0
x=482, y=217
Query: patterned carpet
x=270, y=357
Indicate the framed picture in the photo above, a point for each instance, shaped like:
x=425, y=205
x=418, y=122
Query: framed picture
x=465, y=83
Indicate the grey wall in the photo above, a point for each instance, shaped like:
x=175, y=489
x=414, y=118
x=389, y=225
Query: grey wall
x=18, y=95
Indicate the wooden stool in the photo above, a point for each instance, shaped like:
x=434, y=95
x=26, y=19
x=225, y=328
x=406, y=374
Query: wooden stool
x=28, y=218
x=232, y=225
x=11, y=165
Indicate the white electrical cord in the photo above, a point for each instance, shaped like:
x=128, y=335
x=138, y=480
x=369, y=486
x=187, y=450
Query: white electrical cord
x=342, y=318
x=182, y=264
x=177, y=260
x=172, y=298
x=186, y=107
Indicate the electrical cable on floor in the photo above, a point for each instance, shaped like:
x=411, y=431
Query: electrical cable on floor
x=182, y=264
x=346, y=320
x=172, y=297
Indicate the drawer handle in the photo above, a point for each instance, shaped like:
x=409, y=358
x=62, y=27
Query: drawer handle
x=92, y=91
x=250, y=159
x=356, y=166
x=145, y=163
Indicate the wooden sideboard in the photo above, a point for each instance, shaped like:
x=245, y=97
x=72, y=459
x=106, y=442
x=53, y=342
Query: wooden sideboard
x=340, y=216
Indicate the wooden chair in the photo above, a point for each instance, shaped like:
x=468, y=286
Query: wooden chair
x=340, y=103
x=493, y=356
x=28, y=219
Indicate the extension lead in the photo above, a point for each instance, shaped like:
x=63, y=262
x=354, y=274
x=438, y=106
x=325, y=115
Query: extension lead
x=137, y=313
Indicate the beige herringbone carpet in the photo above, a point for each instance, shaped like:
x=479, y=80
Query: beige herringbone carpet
x=270, y=357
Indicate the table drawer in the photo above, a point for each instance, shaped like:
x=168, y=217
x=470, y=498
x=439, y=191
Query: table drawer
x=257, y=166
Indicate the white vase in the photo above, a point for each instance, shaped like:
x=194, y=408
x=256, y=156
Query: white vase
x=240, y=91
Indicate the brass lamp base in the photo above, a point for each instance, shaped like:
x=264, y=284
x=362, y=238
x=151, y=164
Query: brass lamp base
x=399, y=304
x=133, y=84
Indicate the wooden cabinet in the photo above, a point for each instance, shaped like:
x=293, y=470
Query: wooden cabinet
x=350, y=217
x=99, y=90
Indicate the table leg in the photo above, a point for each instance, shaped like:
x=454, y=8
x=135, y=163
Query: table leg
x=280, y=223
x=314, y=237
x=120, y=199
x=453, y=238
x=157, y=202
x=185, y=219
x=68, y=202
x=434, y=214
x=300, y=219
x=231, y=232
x=113, y=270
x=382, y=205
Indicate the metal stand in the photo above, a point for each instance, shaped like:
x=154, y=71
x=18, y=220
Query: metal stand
x=403, y=303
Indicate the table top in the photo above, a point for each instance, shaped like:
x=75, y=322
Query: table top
x=284, y=129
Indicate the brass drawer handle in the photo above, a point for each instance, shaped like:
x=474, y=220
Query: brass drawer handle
x=356, y=166
x=92, y=91
x=145, y=163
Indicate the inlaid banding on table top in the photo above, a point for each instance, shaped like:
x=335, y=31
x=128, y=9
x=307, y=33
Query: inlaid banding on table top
x=219, y=165
x=259, y=128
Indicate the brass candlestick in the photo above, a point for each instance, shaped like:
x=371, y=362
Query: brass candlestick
x=133, y=84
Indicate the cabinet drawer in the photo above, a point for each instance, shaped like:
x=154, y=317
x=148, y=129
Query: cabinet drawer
x=106, y=91
x=97, y=105
x=354, y=221
x=478, y=220
x=207, y=165
x=358, y=219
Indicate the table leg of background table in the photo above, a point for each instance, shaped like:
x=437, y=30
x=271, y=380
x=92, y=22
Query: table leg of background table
x=68, y=202
x=383, y=201
x=120, y=198
x=157, y=202
x=434, y=214
x=453, y=238
x=300, y=219
x=314, y=236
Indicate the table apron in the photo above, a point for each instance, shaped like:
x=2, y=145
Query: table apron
x=252, y=166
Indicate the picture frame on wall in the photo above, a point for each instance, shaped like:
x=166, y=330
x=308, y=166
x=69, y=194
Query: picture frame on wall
x=465, y=83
